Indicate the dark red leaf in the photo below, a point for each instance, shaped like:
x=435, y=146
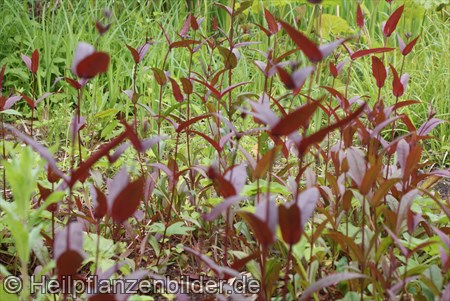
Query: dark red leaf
x=382, y=191
x=365, y=52
x=195, y=24
x=44, y=192
x=229, y=58
x=392, y=22
x=397, y=87
x=187, y=85
x=322, y=133
x=370, y=177
x=359, y=17
x=309, y=48
x=402, y=104
x=73, y=83
x=293, y=121
x=209, y=139
x=28, y=100
x=35, y=61
x=289, y=220
x=134, y=53
x=92, y=65
x=187, y=123
x=183, y=43
x=100, y=202
x=159, y=75
x=231, y=88
x=338, y=95
x=378, y=71
x=333, y=70
x=2, y=74
x=127, y=201
x=223, y=186
x=410, y=46
x=266, y=31
x=176, y=90
x=210, y=88
x=264, y=229
x=271, y=22
x=286, y=78
x=102, y=29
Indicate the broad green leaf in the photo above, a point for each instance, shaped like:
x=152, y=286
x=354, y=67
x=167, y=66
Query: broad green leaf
x=334, y=26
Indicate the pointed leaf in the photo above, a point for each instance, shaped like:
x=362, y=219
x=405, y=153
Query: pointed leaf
x=289, y=220
x=160, y=77
x=100, y=202
x=365, y=52
x=359, y=17
x=293, y=121
x=187, y=85
x=322, y=133
x=127, y=201
x=273, y=25
x=397, y=86
x=410, y=46
x=134, y=53
x=35, y=61
x=40, y=149
x=183, y=43
x=176, y=90
x=392, y=22
x=378, y=71
x=309, y=48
